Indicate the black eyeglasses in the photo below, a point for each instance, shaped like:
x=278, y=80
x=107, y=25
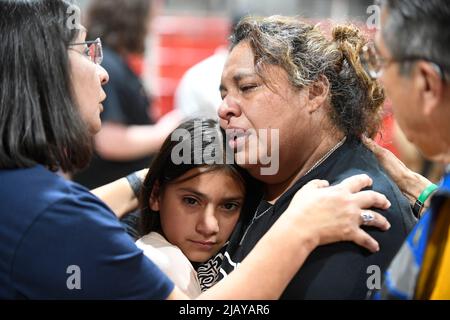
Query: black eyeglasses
x=374, y=64
x=93, y=50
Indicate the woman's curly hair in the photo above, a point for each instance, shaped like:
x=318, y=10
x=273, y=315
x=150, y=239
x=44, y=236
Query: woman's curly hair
x=304, y=52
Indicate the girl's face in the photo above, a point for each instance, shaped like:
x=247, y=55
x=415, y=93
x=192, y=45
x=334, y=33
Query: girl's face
x=87, y=80
x=199, y=214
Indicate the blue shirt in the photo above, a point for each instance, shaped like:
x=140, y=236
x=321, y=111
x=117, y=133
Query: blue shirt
x=58, y=241
x=404, y=272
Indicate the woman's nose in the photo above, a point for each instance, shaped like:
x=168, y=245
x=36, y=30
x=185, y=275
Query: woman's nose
x=228, y=109
x=103, y=75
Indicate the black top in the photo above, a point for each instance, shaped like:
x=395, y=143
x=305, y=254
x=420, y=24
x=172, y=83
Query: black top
x=336, y=271
x=127, y=103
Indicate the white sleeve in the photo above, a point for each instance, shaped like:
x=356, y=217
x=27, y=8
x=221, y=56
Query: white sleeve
x=171, y=260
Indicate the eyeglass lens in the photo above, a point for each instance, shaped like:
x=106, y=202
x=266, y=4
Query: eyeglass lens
x=96, y=52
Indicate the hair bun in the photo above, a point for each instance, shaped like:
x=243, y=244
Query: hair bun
x=348, y=34
x=349, y=40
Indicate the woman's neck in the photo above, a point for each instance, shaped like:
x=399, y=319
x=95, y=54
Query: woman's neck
x=318, y=153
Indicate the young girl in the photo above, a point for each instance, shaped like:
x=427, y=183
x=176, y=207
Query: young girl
x=189, y=210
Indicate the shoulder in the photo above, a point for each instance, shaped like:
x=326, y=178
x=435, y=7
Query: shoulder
x=162, y=252
x=49, y=224
x=33, y=191
x=359, y=160
x=55, y=207
x=172, y=261
x=79, y=231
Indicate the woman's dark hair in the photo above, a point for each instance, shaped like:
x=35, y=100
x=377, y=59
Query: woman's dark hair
x=121, y=24
x=306, y=55
x=165, y=169
x=39, y=120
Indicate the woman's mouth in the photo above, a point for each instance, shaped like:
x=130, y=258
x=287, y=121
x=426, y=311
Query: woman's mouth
x=236, y=139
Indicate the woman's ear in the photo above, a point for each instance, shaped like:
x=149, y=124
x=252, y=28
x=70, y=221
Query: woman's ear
x=155, y=197
x=318, y=93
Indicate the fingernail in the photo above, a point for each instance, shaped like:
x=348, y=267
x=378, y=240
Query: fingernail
x=388, y=226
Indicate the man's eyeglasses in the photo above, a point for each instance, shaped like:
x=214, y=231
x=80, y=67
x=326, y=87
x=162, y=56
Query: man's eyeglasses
x=374, y=64
x=93, y=50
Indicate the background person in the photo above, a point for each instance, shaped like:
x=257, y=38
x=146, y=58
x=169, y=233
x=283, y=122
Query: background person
x=410, y=57
x=129, y=135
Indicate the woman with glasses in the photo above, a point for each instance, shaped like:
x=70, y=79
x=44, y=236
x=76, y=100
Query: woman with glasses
x=58, y=240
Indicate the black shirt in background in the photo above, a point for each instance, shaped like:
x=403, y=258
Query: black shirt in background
x=336, y=271
x=127, y=103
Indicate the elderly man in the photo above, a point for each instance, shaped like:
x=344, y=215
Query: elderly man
x=411, y=60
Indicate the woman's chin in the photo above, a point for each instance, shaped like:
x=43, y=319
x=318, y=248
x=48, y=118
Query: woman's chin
x=94, y=129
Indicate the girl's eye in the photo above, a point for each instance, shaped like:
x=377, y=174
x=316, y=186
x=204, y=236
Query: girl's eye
x=231, y=206
x=190, y=201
